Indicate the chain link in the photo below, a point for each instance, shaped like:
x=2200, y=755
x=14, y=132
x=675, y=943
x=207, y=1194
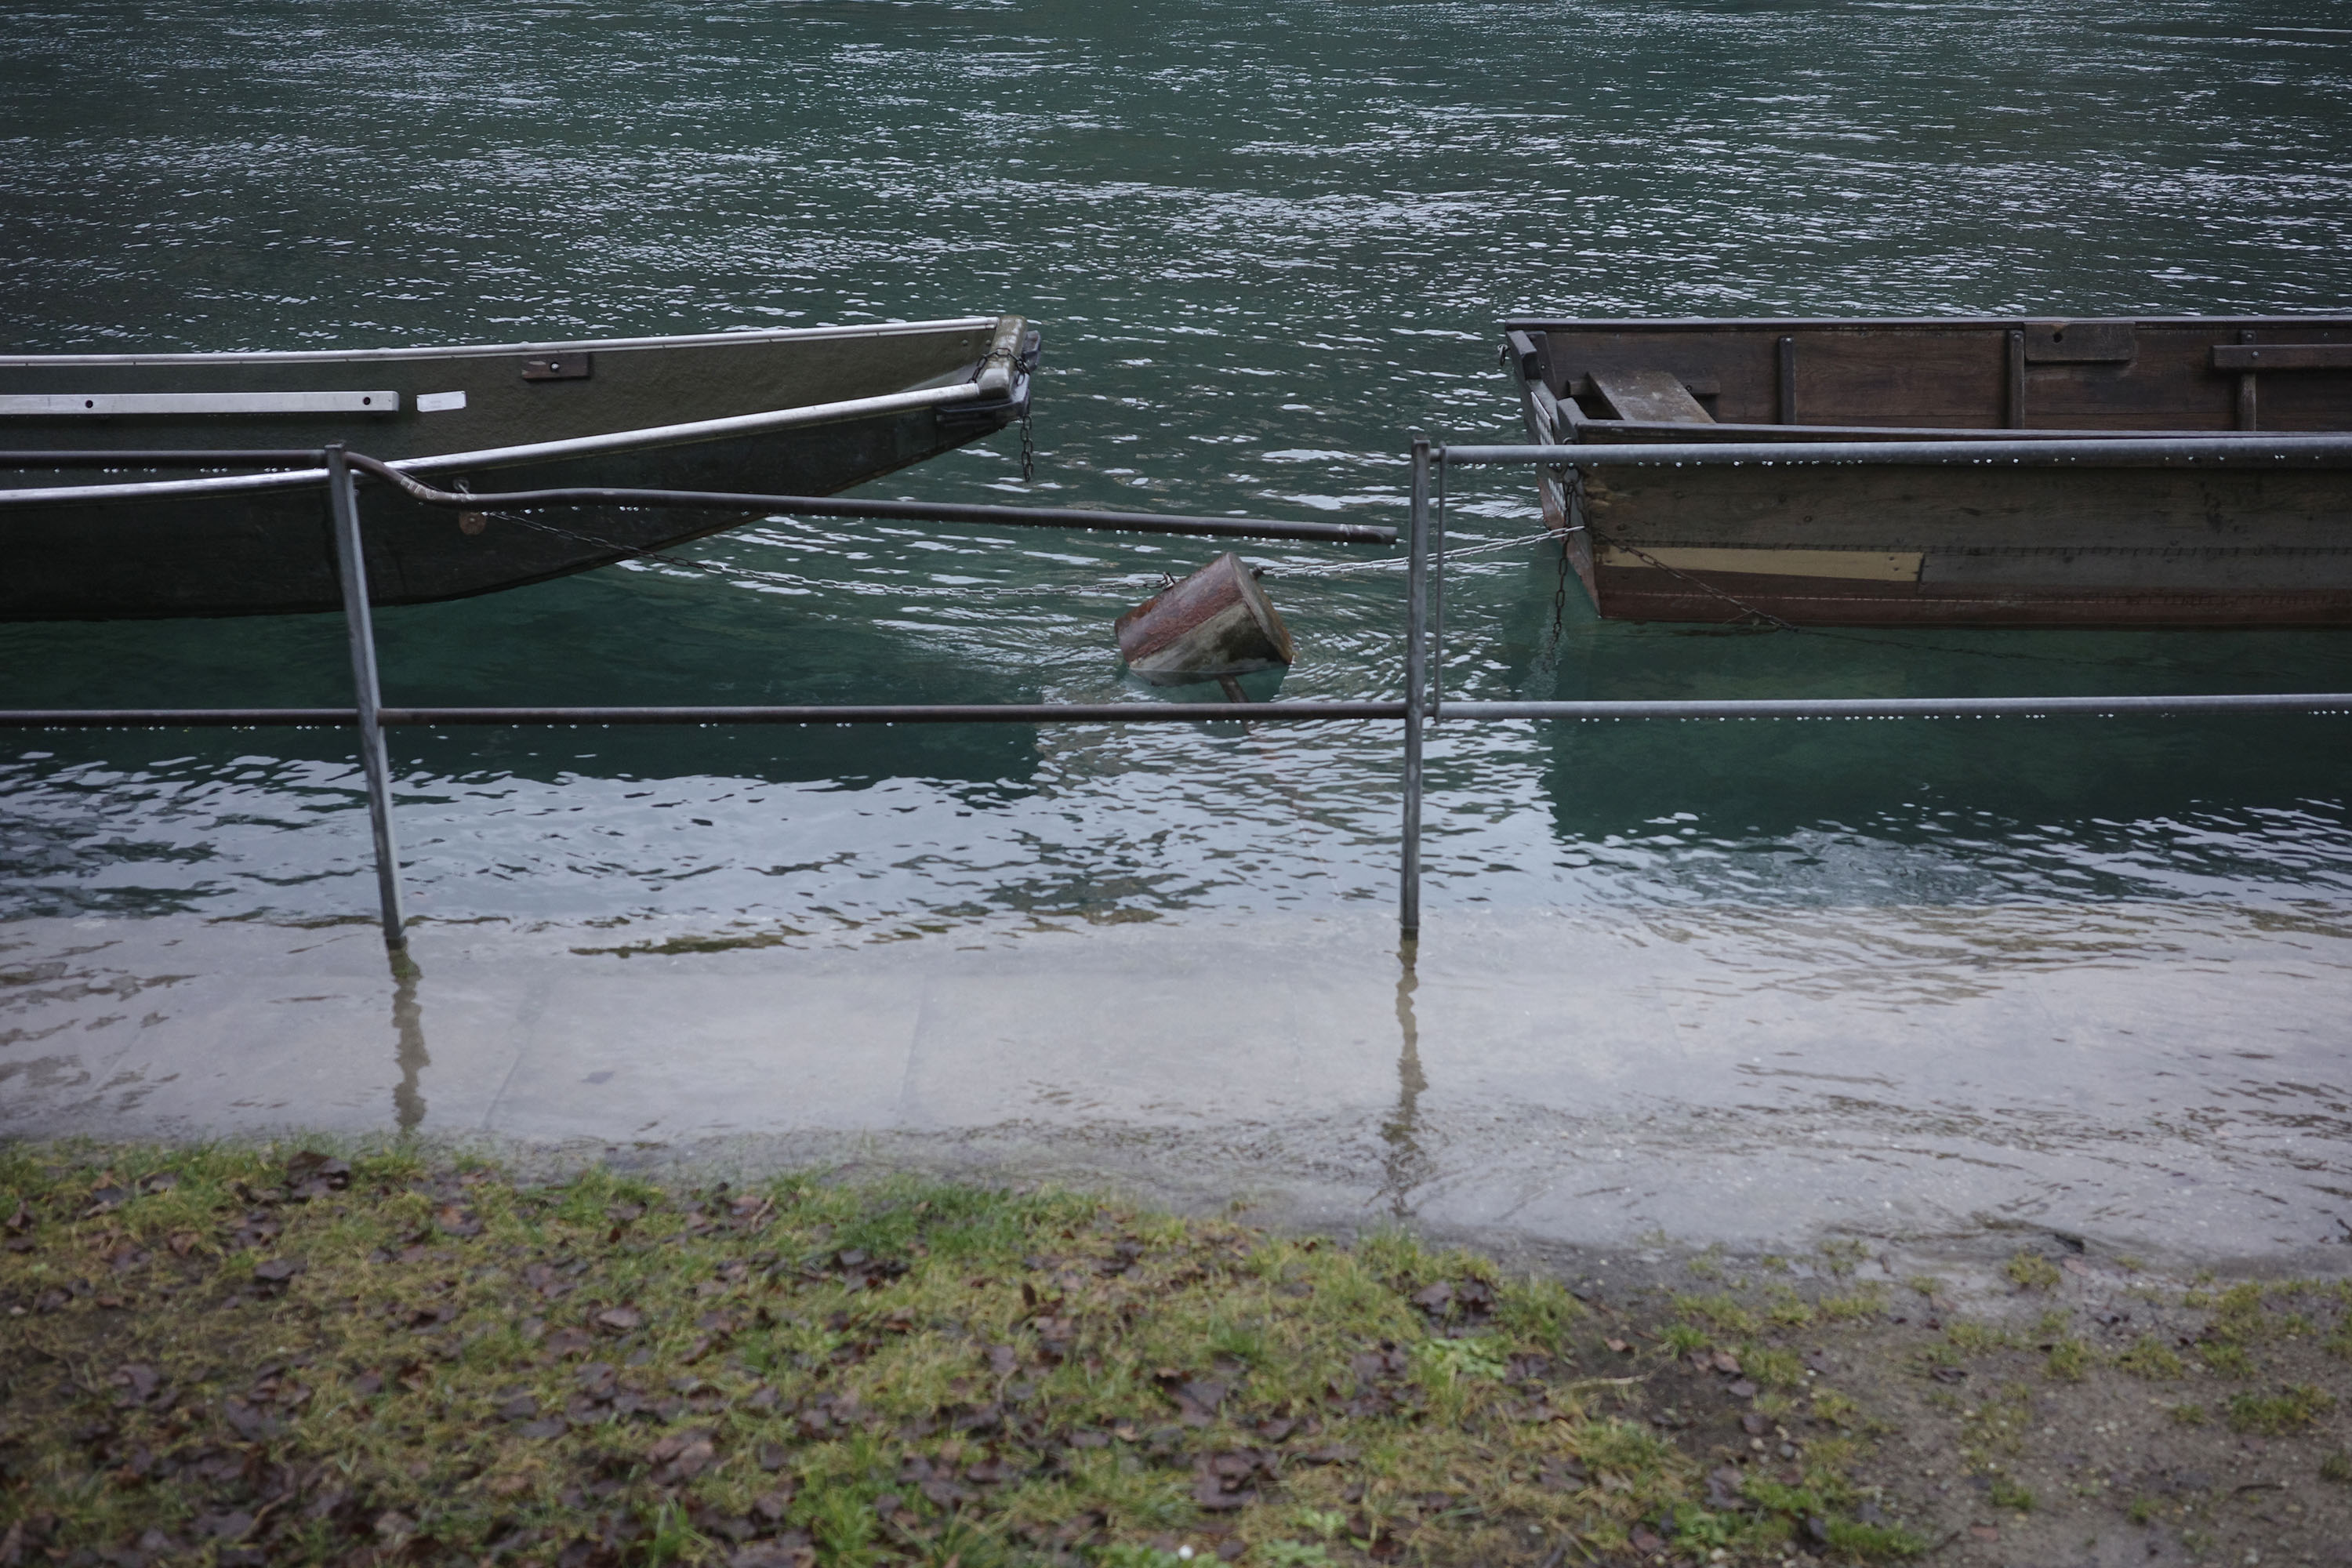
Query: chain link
x=1572, y=499
x=1028, y=445
x=1560, y=594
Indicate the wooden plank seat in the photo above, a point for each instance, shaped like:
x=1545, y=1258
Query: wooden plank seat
x=1649, y=397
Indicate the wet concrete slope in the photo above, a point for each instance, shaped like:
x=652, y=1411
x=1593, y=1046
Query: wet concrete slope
x=1758, y=1078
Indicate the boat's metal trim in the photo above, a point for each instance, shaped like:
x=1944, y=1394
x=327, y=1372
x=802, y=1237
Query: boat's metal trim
x=996, y=367
x=97, y=405
x=1605, y=432
x=1904, y=707
x=505, y=457
x=695, y=430
x=312, y=356
x=2118, y=453
x=2334, y=317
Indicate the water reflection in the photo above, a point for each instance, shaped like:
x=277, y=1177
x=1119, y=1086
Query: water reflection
x=408, y=1028
x=1405, y=1166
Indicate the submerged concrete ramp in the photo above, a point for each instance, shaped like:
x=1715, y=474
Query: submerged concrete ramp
x=1760, y=1077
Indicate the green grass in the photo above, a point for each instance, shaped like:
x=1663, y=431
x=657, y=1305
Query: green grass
x=2151, y=1358
x=1773, y=1366
x=2067, y=1361
x=2229, y=1360
x=2238, y=1314
x=2291, y=1409
x=1721, y=1314
x=2031, y=1272
x=294, y=1360
x=1977, y=1339
x=1866, y=1302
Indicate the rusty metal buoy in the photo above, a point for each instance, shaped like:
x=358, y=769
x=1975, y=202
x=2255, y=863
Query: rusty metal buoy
x=1214, y=626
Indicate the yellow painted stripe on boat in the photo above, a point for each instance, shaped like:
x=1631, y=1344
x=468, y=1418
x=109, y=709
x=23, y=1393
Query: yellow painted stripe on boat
x=1866, y=565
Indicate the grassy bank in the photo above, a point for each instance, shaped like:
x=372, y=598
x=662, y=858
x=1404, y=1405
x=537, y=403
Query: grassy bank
x=277, y=1356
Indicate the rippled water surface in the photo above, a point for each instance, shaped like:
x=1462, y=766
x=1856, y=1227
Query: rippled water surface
x=1267, y=242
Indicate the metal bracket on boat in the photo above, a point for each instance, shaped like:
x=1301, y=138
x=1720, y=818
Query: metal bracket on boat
x=2081, y=342
x=1002, y=360
x=559, y=367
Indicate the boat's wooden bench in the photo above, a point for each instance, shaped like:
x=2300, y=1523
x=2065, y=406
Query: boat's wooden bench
x=1649, y=397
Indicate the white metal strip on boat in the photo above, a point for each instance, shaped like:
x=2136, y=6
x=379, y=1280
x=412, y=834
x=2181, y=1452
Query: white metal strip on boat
x=51, y=404
x=462, y=350
x=502, y=457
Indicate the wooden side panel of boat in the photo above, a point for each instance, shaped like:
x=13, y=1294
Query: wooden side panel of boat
x=271, y=552
x=1994, y=546
x=1951, y=546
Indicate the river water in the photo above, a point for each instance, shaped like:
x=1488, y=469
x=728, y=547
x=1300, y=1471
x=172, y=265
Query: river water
x=1267, y=242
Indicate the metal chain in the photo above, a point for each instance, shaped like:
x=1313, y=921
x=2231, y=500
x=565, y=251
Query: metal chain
x=1560, y=594
x=1028, y=445
x=1571, y=496
x=1704, y=588
x=1399, y=562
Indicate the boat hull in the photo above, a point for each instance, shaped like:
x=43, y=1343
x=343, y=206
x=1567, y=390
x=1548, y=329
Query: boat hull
x=271, y=551
x=2082, y=545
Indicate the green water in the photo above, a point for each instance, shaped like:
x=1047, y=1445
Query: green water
x=1267, y=244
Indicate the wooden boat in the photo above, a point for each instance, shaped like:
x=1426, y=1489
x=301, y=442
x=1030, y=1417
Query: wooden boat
x=798, y=412
x=2113, y=542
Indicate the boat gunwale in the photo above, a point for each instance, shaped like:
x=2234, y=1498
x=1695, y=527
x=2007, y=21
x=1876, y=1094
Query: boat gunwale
x=469, y=350
x=1591, y=431
x=494, y=458
x=2326, y=450
x=2338, y=317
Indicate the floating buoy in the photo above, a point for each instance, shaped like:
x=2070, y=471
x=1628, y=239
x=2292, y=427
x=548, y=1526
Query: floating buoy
x=1214, y=625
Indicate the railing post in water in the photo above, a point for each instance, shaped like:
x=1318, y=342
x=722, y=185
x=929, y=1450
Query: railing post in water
x=344, y=507
x=1415, y=627
x=1437, y=701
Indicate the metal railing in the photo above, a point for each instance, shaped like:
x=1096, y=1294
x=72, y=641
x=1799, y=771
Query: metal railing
x=337, y=470
x=1425, y=597
x=1421, y=705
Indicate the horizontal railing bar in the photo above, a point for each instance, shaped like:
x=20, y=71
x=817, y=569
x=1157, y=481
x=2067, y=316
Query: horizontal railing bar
x=905, y=511
x=906, y=713
x=173, y=717
x=807, y=506
x=2118, y=452
x=1906, y=707
x=177, y=458
x=1193, y=713
x=873, y=713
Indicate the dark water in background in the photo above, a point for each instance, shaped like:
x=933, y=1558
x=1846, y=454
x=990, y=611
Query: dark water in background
x=1267, y=242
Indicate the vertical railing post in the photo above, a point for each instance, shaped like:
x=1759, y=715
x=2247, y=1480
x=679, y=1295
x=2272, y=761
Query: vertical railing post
x=343, y=508
x=1415, y=653
x=1437, y=596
